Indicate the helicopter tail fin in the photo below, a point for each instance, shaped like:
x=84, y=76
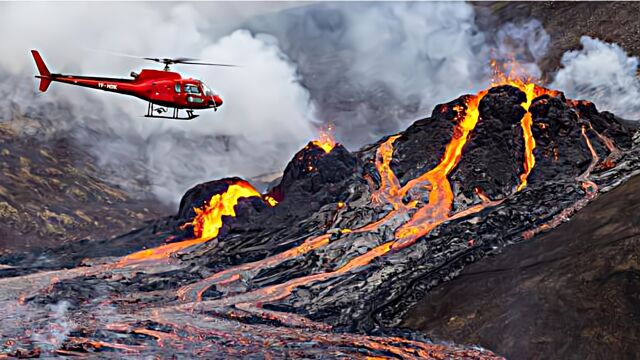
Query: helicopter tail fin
x=45, y=75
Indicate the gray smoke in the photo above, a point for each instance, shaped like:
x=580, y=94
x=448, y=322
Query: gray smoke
x=373, y=68
x=57, y=328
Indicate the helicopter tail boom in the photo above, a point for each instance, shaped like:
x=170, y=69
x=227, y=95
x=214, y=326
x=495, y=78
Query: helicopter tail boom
x=45, y=76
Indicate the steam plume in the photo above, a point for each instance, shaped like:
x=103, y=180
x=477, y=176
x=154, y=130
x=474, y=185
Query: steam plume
x=603, y=73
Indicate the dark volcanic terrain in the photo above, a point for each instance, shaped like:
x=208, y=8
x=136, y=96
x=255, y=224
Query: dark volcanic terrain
x=504, y=224
x=330, y=260
x=573, y=293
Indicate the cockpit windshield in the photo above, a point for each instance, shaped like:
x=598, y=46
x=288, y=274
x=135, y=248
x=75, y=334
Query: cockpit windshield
x=205, y=89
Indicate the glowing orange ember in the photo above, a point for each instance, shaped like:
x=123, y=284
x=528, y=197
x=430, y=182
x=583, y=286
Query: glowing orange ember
x=326, y=141
x=270, y=200
x=481, y=194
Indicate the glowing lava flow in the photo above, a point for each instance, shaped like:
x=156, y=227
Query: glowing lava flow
x=441, y=196
x=389, y=190
x=206, y=224
x=208, y=221
x=529, y=141
x=270, y=200
x=532, y=91
x=195, y=291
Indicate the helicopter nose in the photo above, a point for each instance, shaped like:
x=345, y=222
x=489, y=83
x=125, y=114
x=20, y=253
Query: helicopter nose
x=217, y=99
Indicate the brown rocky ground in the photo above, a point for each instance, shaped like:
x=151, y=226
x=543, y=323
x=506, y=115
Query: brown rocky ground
x=50, y=193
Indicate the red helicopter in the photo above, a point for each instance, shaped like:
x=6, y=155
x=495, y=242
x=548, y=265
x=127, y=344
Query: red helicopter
x=163, y=88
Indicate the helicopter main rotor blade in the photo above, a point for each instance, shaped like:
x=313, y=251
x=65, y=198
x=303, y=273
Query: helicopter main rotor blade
x=115, y=53
x=166, y=61
x=182, y=60
x=204, y=63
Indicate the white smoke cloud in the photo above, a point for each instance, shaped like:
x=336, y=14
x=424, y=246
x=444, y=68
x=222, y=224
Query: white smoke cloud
x=431, y=50
x=373, y=68
x=604, y=74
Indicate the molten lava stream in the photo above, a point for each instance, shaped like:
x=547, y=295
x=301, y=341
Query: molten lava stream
x=441, y=196
x=594, y=156
x=529, y=145
x=531, y=91
x=255, y=298
x=194, y=291
x=389, y=190
x=206, y=224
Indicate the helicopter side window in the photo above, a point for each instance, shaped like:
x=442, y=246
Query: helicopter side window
x=178, y=88
x=194, y=99
x=191, y=89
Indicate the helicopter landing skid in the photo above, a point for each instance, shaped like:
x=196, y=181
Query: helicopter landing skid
x=151, y=113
